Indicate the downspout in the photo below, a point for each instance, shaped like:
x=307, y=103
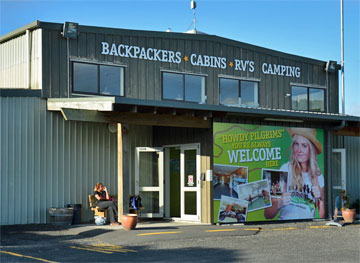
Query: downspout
x=328, y=166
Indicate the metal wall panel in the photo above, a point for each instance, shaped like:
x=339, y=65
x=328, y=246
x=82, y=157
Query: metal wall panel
x=36, y=59
x=352, y=146
x=20, y=61
x=49, y=162
x=13, y=63
x=133, y=136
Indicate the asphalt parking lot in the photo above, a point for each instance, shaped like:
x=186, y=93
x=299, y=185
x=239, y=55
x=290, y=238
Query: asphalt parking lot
x=172, y=241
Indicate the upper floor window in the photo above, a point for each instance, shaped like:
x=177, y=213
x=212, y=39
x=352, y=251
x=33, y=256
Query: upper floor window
x=98, y=79
x=238, y=92
x=307, y=99
x=183, y=87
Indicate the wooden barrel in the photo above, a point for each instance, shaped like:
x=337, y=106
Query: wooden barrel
x=61, y=216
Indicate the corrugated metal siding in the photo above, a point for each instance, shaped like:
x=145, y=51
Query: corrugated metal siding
x=133, y=136
x=14, y=62
x=49, y=162
x=36, y=60
x=352, y=146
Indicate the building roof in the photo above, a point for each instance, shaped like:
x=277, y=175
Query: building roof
x=161, y=34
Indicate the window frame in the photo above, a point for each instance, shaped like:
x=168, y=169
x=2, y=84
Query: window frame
x=308, y=96
x=98, y=65
x=239, y=80
x=183, y=74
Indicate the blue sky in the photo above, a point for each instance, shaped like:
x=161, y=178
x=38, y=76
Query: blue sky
x=309, y=28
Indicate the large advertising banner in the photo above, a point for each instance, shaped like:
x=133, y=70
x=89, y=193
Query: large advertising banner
x=267, y=173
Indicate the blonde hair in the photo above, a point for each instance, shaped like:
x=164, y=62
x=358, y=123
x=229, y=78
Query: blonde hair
x=97, y=186
x=296, y=171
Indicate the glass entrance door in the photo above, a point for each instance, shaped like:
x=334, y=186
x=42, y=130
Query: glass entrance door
x=190, y=182
x=182, y=182
x=338, y=174
x=149, y=182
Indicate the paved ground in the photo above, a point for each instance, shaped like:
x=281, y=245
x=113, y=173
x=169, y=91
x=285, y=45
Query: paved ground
x=173, y=242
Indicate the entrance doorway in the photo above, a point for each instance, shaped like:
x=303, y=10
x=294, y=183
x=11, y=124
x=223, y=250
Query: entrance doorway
x=182, y=182
x=149, y=180
x=177, y=190
x=338, y=174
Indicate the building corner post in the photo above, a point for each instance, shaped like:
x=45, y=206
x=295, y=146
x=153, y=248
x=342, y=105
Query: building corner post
x=120, y=171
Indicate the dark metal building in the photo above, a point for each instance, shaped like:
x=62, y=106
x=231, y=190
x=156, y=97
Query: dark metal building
x=138, y=111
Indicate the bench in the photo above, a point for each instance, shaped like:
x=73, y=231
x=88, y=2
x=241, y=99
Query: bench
x=99, y=211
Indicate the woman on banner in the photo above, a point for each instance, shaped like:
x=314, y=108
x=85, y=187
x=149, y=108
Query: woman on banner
x=305, y=186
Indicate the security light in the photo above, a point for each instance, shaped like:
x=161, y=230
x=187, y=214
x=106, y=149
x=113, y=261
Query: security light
x=331, y=66
x=70, y=30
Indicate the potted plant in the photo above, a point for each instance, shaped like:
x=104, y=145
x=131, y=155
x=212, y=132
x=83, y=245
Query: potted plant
x=347, y=212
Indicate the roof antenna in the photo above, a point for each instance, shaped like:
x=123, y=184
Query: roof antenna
x=193, y=6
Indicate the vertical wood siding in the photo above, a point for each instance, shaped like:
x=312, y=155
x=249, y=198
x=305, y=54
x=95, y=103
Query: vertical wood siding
x=49, y=162
x=143, y=77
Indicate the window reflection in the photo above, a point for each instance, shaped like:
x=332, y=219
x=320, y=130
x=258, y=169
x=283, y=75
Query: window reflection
x=111, y=80
x=299, y=98
x=98, y=79
x=238, y=92
x=194, y=88
x=307, y=99
x=85, y=78
x=229, y=91
x=184, y=87
x=173, y=86
x=316, y=100
x=249, y=93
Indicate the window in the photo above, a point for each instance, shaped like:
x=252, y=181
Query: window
x=229, y=92
x=238, y=92
x=183, y=87
x=98, y=79
x=307, y=99
x=85, y=78
x=316, y=100
x=299, y=98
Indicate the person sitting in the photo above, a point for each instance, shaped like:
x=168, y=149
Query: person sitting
x=104, y=201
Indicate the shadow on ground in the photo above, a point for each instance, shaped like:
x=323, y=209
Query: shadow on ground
x=26, y=234
x=23, y=243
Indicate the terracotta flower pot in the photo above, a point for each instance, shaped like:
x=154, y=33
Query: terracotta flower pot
x=129, y=221
x=349, y=215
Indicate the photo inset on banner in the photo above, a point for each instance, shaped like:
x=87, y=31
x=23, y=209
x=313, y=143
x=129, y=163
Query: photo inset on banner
x=227, y=178
x=256, y=193
x=232, y=210
x=277, y=181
